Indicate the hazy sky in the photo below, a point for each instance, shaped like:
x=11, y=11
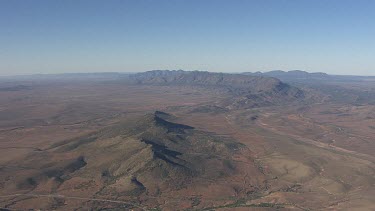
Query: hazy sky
x=55, y=36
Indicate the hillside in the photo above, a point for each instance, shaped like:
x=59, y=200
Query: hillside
x=148, y=155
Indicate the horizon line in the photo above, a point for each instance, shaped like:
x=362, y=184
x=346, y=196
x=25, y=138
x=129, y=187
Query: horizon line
x=134, y=72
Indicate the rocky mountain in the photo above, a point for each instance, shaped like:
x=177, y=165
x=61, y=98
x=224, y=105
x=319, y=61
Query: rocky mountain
x=245, y=90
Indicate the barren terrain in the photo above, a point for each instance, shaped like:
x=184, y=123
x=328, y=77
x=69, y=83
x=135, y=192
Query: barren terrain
x=181, y=143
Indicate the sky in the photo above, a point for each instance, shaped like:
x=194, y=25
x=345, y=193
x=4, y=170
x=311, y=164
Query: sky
x=58, y=36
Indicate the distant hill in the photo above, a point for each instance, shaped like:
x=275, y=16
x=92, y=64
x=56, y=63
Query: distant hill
x=293, y=74
x=299, y=75
x=246, y=90
x=338, y=88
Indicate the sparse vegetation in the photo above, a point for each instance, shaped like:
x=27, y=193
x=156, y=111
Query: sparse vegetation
x=178, y=145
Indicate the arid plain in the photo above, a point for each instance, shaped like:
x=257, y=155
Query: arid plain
x=186, y=141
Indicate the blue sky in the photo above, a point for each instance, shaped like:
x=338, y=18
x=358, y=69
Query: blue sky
x=56, y=36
